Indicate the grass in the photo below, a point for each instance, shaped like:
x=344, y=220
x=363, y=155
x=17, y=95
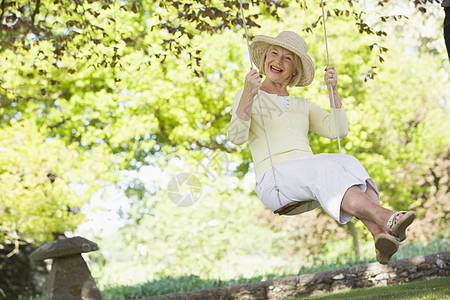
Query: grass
x=434, y=289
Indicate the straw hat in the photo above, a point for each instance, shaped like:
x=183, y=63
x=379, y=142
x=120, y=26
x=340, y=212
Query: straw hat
x=290, y=41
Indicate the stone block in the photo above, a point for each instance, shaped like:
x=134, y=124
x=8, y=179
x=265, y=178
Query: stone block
x=70, y=278
x=63, y=247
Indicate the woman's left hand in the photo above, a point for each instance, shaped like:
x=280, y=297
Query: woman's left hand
x=331, y=80
x=331, y=77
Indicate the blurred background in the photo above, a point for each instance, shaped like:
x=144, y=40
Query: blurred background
x=113, y=127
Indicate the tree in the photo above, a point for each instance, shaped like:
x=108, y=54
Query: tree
x=74, y=73
x=103, y=28
x=42, y=185
x=102, y=86
x=391, y=131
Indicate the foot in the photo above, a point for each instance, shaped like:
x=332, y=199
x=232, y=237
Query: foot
x=386, y=245
x=398, y=223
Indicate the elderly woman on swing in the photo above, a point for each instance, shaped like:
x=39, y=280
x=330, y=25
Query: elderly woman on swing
x=337, y=182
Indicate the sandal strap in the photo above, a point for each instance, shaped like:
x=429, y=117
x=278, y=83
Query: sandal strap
x=391, y=222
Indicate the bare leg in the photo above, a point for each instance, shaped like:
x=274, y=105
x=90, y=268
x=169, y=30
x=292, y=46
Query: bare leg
x=365, y=206
x=373, y=196
x=370, y=192
x=361, y=205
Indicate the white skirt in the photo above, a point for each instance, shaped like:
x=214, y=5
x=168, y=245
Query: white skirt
x=323, y=178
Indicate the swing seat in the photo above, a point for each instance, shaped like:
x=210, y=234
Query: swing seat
x=293, y=208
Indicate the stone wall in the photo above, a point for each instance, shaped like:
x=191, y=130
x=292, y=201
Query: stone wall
x=373, y=274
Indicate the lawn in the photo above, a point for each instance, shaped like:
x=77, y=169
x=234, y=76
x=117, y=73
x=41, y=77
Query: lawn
x=434, y=289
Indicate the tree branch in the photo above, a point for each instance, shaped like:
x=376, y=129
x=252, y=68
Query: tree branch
x=36, y=11
x=3, y=10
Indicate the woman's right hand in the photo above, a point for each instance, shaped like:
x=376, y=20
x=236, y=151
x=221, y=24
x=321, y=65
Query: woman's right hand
x=251, y=87
x=252, y=83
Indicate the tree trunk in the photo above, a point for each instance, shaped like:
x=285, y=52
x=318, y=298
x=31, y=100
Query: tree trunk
x=352, y=230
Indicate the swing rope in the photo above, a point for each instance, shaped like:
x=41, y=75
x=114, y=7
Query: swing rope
x=262, y=117
x=331, y=87
x=260, y=108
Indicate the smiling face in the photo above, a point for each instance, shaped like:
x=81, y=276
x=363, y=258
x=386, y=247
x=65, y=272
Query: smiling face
x=279, y=65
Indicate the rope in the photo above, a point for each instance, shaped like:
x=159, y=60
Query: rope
x=260, y=109
x=331, y=88
x=259, y=101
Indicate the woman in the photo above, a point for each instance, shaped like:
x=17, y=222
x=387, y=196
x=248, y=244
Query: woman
x=337, y=182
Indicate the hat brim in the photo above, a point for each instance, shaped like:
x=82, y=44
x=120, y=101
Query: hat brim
x=261, y=44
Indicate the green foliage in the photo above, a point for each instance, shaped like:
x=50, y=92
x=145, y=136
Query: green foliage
x=177, y=240
x=72, y=36
x=394, y=128
x=79, y=104
x=385, y=135
x=40, y=182
x=107, y=118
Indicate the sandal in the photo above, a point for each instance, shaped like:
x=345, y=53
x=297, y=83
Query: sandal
x=386, y=245
x=398, y=229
